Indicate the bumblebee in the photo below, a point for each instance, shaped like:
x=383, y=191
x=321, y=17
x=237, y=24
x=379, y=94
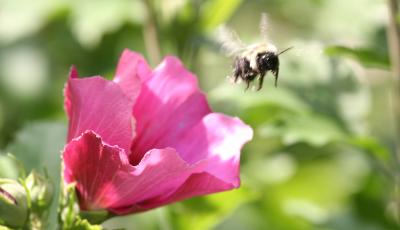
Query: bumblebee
x=252, y=61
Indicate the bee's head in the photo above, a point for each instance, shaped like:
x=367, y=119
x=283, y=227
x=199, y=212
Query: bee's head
x=267, y=61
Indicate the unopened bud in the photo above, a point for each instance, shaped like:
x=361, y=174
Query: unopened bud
x=13, y=203
x=40, y=189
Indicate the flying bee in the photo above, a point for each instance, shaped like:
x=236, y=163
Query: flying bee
x=251, y=61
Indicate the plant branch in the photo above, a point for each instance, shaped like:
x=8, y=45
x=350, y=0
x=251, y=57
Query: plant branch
x=394, y=50
x=394, y=38
x=150, y=33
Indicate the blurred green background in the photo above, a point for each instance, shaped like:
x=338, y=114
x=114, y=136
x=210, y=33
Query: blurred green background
x=322, y=156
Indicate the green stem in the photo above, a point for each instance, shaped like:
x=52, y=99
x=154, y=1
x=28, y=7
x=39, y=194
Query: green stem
x=150, y=33
x=394, y=49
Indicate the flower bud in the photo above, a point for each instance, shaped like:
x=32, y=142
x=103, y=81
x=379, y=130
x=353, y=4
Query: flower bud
x=13, y=203
x=40, y=189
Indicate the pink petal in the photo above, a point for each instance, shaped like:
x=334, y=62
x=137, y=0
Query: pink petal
x=170, y=102
x=196, y=185
x=92, y=164
x=132, y=69
x=212, y=148
x=216, y=141
x=106, y=180
x=73, y=73
x=99, y=105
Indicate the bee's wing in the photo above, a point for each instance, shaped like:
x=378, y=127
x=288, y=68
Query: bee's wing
x=264, y=27
x=230, y=42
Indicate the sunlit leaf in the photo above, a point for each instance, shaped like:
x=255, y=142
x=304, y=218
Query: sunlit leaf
x=169, y=9
x=90, y=23
x=237, y=96
x=218, y=11
x=7, y=168
x=321, y=187
x=21, y=18
x=372, y=146
x=311, y=128
x=366, y=57
x=207, y=212
x=150, y=220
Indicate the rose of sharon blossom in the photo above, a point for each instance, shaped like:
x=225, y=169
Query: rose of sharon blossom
x=147, y=138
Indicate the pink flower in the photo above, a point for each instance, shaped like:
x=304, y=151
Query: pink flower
x=147, y=138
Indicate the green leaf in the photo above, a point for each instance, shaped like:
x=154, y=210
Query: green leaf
x=28, y=19
x=207, y=212
x=218, y=11
x=149, y=220
x=310, y=128
x=89, y=24
x=372, y=146
x=39, y=145
x=236, y=96
x=366, y=57
x=7, y=168
x=322, y=186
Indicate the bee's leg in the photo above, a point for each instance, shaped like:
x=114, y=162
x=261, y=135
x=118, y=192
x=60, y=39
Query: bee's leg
x=247, y=84
x=236, y=78
x=237, y=69
x=236, y=75
x=276, y=74
x=260, y=82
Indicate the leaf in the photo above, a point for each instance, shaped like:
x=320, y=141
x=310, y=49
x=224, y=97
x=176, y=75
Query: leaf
x=218, y=11
x=371, y=145
x=322, y=186
x=7, y=168
x=366, y=57
x=244, y=100
x=89, y=24
x=39, y=145
x=4, y=228
x=149, y=220
x=27, y=20
x=207, y=212
x=310, y=128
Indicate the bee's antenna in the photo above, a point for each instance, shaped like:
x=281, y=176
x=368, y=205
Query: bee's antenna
x=283, y=51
